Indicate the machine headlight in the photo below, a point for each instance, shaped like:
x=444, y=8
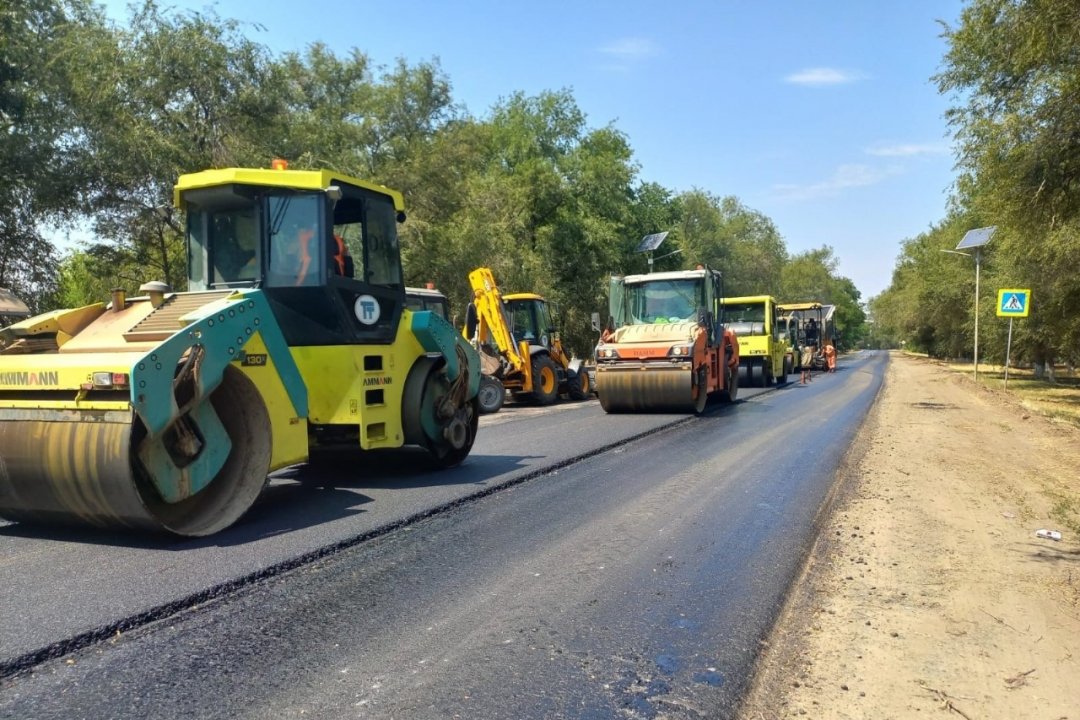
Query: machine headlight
x=107, y=380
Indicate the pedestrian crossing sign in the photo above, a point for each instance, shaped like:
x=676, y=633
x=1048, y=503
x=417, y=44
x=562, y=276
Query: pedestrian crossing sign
x=1013, y=303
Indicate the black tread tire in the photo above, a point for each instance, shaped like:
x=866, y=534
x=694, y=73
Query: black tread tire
x=444, y=458
x=540, y=363
x=491, y=396
x=578, y=386
x=730, y=393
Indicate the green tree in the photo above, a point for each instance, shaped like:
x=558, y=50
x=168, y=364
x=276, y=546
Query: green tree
x=742, y=243
x=1014, y=74
x=39, y=161
x=169, y=93
x=812, y=276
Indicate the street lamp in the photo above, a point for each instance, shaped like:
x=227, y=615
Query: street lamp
x=975, y=239
x=649, y=243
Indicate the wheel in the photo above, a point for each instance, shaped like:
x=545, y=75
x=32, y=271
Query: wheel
x=702, y=398
x=731, y=385
x=491, y=394
x=767, y=377
x=433, y=420
x=788, y=370
x=446, y=455
x=545, y=378
x=578, y=386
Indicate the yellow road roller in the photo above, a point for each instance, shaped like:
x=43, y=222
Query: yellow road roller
x=166, y=411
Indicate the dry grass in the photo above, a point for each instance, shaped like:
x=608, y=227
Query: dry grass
x=1059, y=400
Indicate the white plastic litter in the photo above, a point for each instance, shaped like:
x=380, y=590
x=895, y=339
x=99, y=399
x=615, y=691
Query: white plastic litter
x=1048, y=534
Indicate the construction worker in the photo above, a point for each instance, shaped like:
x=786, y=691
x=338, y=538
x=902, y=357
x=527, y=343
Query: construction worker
x=341, y=261
x=290, y=258
x=830, y=356
x=805, y=361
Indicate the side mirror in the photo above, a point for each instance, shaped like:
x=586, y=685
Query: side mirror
x=595, y=322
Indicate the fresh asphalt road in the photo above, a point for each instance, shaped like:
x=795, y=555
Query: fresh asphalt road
x=636, y=581
x=56, y=585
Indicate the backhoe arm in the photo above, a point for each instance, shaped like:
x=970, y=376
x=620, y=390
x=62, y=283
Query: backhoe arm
x=492, y=316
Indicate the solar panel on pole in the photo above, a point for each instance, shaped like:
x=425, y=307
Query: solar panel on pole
x=651, y=242
x=976, y=238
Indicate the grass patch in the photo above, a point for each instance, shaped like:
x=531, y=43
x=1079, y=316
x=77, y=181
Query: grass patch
x=1059, y=399
x=1065, y=511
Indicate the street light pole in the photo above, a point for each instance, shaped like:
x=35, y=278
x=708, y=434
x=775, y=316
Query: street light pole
x=974, y=240
x=977, y=263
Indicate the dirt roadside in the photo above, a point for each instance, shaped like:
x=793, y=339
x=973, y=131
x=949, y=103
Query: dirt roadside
x=928, y=592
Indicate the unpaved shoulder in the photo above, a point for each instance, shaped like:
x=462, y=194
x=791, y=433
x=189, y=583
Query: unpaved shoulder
x=928, y=591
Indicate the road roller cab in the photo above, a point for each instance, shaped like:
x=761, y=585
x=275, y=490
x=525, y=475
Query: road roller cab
x=166, y=411
x=666, y=346
x=762, y=350
x=428, y=298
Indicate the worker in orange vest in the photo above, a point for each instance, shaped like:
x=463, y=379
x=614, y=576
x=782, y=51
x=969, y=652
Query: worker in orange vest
x=830, y=356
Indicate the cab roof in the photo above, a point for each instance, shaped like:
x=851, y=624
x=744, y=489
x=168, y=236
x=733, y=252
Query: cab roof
x=791, y=307
x=12, y=306
x=294, y=179
x=670, y=275
x=424, y=292
x=522, y=296
x=748, y=300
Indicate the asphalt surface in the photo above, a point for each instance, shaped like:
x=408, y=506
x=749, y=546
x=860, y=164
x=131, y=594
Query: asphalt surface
x=634, y=582
x=58, y=584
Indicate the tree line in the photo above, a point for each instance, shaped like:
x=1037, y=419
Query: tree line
x=97, y=120
x=1013, y=72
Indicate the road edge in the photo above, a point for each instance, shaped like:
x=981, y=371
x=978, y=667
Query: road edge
x=782, y=647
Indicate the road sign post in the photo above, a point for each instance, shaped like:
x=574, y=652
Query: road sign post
x=1012, y=303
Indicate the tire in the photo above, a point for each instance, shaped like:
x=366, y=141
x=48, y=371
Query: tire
x=425, y=388
x=767, y=377
x=491, y=395
x=545, y=375
x=702, y=398
x=757, y=374
x=788, y=369
x=731, y=386
x=579, y=386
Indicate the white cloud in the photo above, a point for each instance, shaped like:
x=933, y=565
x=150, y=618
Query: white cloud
x=631, y=48
x=843, y=178
x=908, y=149
x=822, y=76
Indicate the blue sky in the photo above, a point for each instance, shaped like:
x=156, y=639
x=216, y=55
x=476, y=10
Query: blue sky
x=821, y=115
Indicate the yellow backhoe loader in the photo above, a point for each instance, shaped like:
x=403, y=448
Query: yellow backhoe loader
x=520, y=347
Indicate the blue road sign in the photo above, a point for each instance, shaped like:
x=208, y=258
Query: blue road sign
x=1013, y=303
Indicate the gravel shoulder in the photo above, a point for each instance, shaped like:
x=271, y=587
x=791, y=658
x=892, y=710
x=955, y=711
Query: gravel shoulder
x=928, y=592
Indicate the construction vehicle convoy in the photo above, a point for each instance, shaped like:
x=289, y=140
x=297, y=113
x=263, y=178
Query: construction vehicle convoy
x=519, y=346
x=762, y=351
x=165, y=412
x=666, y=346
